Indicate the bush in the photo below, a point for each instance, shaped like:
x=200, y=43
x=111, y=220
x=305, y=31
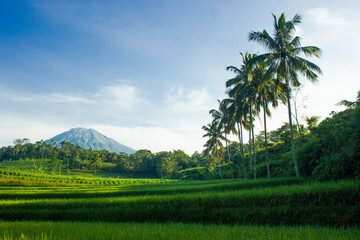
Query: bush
x=339, y=143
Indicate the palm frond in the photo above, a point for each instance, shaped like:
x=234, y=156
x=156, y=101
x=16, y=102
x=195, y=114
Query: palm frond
x=265, y=39
x=346, y=103
x=233, y=69
x=309, y=51
x=295, y=43
x=294, y=78
x=306, y=63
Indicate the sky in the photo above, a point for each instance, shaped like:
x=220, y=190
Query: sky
x=146, y=73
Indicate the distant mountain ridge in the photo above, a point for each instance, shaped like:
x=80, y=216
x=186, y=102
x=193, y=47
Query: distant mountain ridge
x=90, y=138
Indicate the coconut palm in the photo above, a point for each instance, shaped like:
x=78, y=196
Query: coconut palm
x=312, y=122
x=269, y=92
x=214, y=145
x=284, y=57
x=237, y=112
x=225, y=124
x=244, y=90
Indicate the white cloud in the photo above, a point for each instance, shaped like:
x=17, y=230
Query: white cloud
x=323, y=17
x=13, y=127
x=123, y=95
x=56, y=97
x=194, y=100
x=327, y=27
x=66, y=98
x=119, y=94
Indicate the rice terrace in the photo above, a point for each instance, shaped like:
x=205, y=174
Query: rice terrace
x=268, y=166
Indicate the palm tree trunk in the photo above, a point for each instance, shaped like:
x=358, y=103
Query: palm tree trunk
x=242, y=149
x=232, y=173
x=253, y=140
x=291, y=130
x=240, y=135
x=266, y=147
x=217, y=153
x=250, y=149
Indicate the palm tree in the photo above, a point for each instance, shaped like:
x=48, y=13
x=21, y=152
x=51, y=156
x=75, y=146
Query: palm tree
x=244, y=90
x=350, y=104
x=238, y=115
x=312, y=122
x=284, y=58
x=225, y=124
x=268, y=92
x=214, y=145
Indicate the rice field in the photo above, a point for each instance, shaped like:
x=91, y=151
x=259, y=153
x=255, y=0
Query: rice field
x=166, y=231
x=168, y=209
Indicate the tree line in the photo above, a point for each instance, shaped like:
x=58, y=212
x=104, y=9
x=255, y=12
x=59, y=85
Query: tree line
x=67, y=156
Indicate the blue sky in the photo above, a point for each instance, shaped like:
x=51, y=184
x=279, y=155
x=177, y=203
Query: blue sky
x=146, y=73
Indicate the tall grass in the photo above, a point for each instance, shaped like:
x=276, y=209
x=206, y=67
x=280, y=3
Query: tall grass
x=151, y=231
x=36, y=190
x=333, y=204
x=25, y=178
x=287, y=201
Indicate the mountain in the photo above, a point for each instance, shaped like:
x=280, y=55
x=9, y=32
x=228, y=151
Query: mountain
x=90, y=138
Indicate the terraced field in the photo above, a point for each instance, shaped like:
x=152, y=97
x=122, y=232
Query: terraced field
x=166, y=231
x=280, y=206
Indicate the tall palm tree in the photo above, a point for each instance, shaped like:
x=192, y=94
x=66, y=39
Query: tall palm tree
x=237, y=112
x=284, y=57
x=244, y=90
x=225, y=125
x=214, y=145
x=268, y=92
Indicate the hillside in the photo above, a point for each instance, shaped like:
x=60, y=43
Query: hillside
x=90, y=138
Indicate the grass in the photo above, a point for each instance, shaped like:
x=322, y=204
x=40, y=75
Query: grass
x=316, y=204
x=287, y=201
x=8, y=177
x=27, y=165
x=99, y=208
x=101, y=230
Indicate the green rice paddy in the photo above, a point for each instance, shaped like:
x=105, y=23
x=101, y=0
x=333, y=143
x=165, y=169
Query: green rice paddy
x=154, y=231
x=38, y=206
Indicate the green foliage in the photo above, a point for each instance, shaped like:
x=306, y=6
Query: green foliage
x=68, y=158
x=330, y=151
x=198, y=173
x=339, y=141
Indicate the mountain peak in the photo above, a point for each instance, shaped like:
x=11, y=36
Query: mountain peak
x=90, y=138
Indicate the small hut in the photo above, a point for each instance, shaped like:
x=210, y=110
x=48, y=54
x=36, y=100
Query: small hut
x=269, y=143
